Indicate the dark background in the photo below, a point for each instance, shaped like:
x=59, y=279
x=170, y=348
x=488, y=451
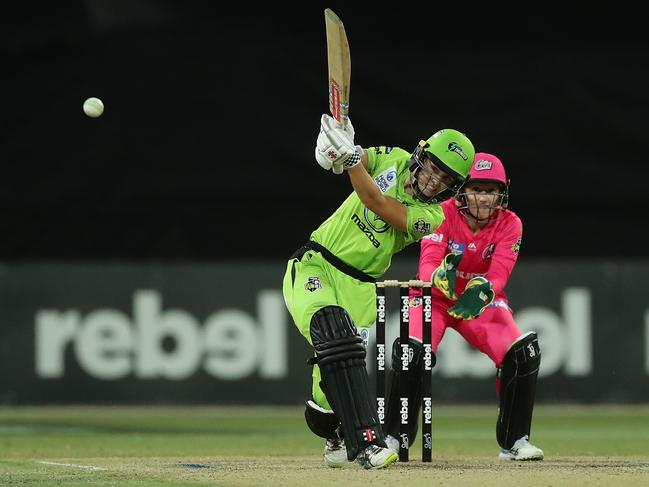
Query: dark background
x=205, y=148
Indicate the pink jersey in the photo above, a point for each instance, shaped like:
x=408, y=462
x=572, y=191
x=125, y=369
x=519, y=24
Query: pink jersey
x=491, y=253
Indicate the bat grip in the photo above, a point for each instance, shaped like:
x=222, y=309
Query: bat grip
x=338, y=168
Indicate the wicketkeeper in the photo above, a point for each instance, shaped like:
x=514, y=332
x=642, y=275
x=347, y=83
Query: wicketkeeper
x=469, y=259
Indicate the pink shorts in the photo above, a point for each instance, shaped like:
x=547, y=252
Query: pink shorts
x=492, y=332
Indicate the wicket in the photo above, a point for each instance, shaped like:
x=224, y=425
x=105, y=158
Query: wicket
x=404, y=321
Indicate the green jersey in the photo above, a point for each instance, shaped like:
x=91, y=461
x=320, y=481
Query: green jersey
x=362, y=239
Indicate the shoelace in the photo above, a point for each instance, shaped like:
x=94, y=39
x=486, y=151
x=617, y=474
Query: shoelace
x=520, y=443
x=372, y=449
x=335, y=445
x=523, y=441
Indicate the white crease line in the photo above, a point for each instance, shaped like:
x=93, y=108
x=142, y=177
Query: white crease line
x=87, y=467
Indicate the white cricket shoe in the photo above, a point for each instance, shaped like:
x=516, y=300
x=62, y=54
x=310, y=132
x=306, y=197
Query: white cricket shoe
x=522, y=450
x=376, y=457
x=392, y=442
x=335, y=453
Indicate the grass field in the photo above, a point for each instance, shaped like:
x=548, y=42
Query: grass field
x=271, y=446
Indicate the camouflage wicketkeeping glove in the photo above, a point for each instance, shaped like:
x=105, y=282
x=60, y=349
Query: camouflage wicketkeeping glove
x=443, y=277
x=476, y=297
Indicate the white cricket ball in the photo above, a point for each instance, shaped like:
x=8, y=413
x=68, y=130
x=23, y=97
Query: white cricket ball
x=93, y=107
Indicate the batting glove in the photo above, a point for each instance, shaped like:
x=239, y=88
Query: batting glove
x=335, y=147
x=443, y=278
x=477, y=295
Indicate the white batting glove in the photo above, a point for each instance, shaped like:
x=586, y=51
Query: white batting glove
x=345, y=131
x=335, y=145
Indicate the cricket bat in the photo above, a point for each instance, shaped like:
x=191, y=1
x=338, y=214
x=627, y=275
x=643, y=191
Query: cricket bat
x=340, y=70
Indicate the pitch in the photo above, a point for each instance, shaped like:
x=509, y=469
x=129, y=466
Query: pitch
x=271, y=446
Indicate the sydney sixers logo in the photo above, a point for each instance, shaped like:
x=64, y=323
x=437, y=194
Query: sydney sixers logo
x=488, y=251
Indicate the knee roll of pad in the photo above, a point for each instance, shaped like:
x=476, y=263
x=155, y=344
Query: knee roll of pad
x=334, y=336
x=524, y=355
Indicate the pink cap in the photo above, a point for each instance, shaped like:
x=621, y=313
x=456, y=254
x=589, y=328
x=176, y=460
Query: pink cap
x=487, y=167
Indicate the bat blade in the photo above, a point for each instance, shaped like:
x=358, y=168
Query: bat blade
x=340, y=68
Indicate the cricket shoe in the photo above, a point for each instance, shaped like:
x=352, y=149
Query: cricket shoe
x=392, y=442
x=335, y=453
x=376, y=457
x=522, y=450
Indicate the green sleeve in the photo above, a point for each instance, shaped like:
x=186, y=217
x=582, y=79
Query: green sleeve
x=379, y=157
x=372, y=159
x=423, y=220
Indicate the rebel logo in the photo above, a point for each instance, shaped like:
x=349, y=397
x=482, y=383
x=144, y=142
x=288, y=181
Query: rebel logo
x=380, y=356
x=404, y=410
x=380, y=409
x=405, y=357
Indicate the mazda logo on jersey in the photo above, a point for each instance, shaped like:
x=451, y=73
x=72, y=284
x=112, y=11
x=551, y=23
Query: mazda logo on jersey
x=375, y=222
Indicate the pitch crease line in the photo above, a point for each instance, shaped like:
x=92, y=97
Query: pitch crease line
x=74, y=465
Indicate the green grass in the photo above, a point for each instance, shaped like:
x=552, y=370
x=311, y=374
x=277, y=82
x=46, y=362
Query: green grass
x=259, y=446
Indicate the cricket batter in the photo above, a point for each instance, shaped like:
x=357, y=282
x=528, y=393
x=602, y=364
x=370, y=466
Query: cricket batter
x=471, y=255
x=329, y=284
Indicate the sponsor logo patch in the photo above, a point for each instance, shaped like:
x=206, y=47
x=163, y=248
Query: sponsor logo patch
x=367, y=231
x=469, y=275
x=488, y=251
x=517, y=245
x=332, y=154
x=422, y=226
x=455, y=247
x=369, y=435
x=365, y=336
x=387, y=179
x=455, y=147
x=500, y=303
x=312, y=284
x=482, y=165
x=375, y=221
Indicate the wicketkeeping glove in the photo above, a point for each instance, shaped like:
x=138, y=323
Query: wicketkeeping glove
x=443, y=277
x=476, y=297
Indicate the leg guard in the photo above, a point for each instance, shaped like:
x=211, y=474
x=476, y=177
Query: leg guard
x=322, y=422
x=340, y=354
x=415, y=376
x=517, y=377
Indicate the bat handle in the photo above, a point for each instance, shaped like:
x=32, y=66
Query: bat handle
x=338, y=168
